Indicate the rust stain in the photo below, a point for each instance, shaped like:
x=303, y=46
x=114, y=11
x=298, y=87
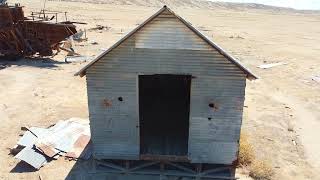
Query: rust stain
x=79, y=146
x=107, y=103
x=47, y=150
x=173, y=158
x=82, y=141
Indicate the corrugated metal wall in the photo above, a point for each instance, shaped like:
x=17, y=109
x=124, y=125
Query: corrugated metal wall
x=166, y=46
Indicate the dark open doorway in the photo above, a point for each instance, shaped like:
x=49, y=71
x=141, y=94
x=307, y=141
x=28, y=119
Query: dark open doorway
x=164, y=105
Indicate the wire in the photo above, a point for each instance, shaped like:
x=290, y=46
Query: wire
x=44, y=4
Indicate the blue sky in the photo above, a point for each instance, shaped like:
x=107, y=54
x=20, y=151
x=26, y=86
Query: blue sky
x=297, y=4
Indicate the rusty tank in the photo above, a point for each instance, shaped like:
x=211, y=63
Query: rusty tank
x=38, y=34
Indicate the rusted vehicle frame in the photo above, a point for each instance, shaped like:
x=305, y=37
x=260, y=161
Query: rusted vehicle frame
x=21, y=36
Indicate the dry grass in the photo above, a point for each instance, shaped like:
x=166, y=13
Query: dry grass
x=261, y=170
x=246, y=152
x=258, y=169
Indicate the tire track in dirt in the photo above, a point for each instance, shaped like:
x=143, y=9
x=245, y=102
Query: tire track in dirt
x=307, y=127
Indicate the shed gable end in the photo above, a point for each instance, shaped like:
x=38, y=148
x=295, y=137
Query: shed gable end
x=166, y=45
x=180, y=35
x=167, y=32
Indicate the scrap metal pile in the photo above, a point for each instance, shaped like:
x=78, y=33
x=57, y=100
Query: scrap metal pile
x=70, y=138
x=38, y=35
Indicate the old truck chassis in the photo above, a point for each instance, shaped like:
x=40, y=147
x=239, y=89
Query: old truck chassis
x=20, y=36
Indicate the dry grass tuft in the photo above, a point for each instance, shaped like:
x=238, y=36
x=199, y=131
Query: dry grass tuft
x=258, y=169
x=246, y=152
x=261, y=170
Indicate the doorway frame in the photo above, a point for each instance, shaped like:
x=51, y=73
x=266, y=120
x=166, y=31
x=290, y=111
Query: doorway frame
x=152, y=157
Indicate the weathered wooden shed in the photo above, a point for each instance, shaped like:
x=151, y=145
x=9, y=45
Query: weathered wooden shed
x=166, y=93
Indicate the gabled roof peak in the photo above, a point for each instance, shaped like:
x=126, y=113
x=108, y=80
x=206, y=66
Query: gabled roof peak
x=249, y=74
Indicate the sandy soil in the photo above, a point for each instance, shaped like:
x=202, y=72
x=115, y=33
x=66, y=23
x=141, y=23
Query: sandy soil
x=282, y=113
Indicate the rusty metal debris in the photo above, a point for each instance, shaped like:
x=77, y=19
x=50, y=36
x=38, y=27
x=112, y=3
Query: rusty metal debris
x=100, y=27
x=39, y=35
x=70, y=138
x=79, y=35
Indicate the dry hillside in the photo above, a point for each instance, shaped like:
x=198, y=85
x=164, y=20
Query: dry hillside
x=203, y=4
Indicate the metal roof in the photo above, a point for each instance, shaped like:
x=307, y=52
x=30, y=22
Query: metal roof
x=249, y=74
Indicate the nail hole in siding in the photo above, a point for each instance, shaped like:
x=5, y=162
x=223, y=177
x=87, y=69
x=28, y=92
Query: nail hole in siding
x=213, y=106
x=120, y=98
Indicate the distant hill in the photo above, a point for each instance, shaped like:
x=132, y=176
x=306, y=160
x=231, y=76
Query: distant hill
x=194, y=4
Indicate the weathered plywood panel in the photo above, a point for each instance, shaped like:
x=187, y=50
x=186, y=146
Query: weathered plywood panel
x=213, y=132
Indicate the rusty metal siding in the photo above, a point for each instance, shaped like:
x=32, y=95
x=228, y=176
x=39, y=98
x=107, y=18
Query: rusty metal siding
x=114, y=123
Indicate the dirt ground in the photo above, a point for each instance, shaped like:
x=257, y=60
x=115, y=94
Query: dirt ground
x=282, y=108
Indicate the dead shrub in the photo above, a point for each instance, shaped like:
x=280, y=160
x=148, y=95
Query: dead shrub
x=258, y=169
x=261, y=170
x=246, y=152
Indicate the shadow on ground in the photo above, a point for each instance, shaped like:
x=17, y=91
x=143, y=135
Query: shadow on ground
x=22, y=167
x=83, y=168
x=32, y=62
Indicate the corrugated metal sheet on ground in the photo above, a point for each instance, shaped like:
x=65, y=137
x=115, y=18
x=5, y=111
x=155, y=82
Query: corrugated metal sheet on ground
x=68, y=138
x=30, y=137
x=63, y=136
x=32, y=157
